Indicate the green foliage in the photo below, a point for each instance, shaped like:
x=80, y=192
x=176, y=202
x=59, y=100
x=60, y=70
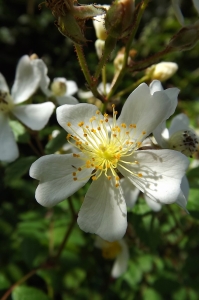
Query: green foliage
x=28, y=293
x=163, y=246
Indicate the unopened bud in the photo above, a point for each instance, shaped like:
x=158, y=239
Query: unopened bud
x=186, y=38
x=99, y=47
x=184, y=141
x=70, y=18
x=99, y=26
x=119, y=59
x=162, y=71
x=119, y=18
x=58, y=87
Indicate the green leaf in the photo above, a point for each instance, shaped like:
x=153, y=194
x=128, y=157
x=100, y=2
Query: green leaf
x=20, y=132
x=18, y=168
x=4, y=282
x=193, y=178
x=56, y=143
x=75, y=278
x=193, y=203
x=151, y=294
x=28, y=293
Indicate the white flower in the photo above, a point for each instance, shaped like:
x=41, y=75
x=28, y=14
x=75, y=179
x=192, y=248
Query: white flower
x=106, y=157
x=162, y=71
x=117, y=250
x=61, y=88
x=34, y=116
x=179, y=137
x=177, y=10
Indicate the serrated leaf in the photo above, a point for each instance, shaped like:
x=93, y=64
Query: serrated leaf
x=28, y=293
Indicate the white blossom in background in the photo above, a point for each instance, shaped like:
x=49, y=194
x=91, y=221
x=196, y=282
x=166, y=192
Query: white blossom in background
x=180, y=137
x=162, y=71
x=118, y=251
x=177, y=10
x=34, y=116
x=106, y=155
x=60, y=88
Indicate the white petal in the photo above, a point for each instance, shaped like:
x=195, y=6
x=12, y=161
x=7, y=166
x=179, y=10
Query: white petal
x=162, y=172
x=27, y=80
x=161, y=134
x=196, y=4
x=183, y=196
x=130, y=192
x=35, y=116
x=145, y=110
x=172, y=94
x=179, y=122
x=66, y=100
x=71, y=87
x=75, y=114
x=103, y=211
x=101, y=88
x=121, y=262
x=44, y=80
x=177, y=11
x=8, y=147
x=3, y=84
x=55, y=173
x=155, y=86
x=155, y=206
x=85, y=94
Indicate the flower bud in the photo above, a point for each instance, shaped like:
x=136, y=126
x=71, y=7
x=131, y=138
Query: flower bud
x=184, y=141
x=98, y=23
x=162, y=71
x=119, y=18
x=119, y=59
x=99, y=47
x=33, y=56
x=58, y=87
x=186, y=38
x=70, y=18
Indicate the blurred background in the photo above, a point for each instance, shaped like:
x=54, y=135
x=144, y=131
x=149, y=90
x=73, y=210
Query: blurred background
x=164, y=246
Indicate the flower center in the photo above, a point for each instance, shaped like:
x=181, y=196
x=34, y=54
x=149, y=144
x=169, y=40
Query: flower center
x=104, y=145
x=6, y=103
x=111, y=250
x=185, y=142
x=58, y=88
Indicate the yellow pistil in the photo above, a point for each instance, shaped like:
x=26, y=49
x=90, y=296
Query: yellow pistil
x=105, y=147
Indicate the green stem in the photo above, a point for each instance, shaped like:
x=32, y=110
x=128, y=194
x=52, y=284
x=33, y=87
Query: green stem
x=63, y=244
x=23, y=279
x=104, y=79
x=108, y=48
x=145, y=63
x=83, y=64
x=132, y=86
x=128, y=47
x=34, y=148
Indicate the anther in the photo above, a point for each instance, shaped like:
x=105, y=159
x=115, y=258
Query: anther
x=81, y=124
